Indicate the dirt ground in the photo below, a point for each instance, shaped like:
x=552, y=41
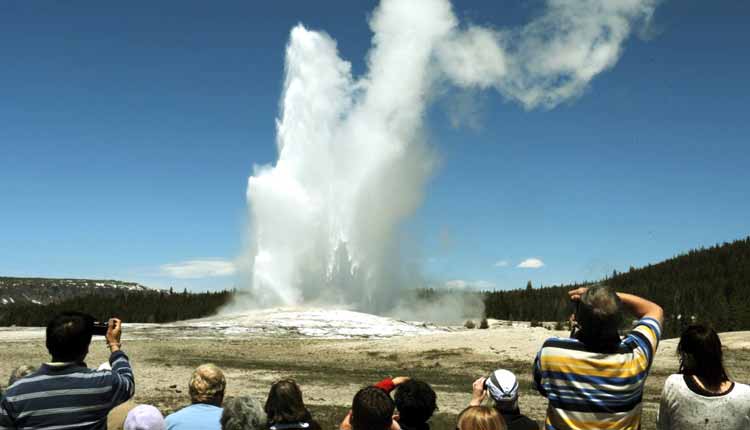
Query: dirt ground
x=330, y=371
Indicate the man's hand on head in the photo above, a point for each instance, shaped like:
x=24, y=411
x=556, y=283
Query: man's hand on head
x=398, y=380
x=575, y=295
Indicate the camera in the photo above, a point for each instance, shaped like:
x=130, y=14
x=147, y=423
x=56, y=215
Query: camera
x=99, y=328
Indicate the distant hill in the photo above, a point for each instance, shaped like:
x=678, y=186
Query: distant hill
x=32, y=301
x=44, y=291
x=710, y=285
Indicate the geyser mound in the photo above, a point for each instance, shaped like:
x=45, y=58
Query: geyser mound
x=288, y=322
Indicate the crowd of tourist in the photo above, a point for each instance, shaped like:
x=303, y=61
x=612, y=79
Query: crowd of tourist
x=592, y=380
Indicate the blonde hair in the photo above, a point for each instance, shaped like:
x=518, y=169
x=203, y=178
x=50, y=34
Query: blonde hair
x=480, y=418
x=206, y=383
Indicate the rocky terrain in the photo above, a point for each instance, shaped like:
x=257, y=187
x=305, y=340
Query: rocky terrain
x=333, y=361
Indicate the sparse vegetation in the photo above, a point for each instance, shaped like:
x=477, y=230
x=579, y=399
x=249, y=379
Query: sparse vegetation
x=470, y=324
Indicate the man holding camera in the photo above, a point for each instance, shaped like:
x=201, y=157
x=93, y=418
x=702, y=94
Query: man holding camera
x=595, y=378
x=65, y=393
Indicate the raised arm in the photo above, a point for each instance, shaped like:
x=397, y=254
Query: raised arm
x=123, y=381
x=639, y=306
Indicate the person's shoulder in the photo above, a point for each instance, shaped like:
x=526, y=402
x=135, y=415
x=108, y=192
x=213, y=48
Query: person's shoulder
x=649, y=326
x=742, y=389
x=561, y=342
x=180, y=413
x=562, y=345
x=675, y=380
x=522, y=422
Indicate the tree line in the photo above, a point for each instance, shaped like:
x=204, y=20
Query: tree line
x=146, y=306
x=708, y=285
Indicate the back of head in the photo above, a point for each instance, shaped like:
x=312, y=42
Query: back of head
x=243, y=413
x=480, y=418
x=144, y=417
x=372, y=409
x=207, y=385
x=416, y=402
x=20, y=372
x=599, y=315
x=69, y=336
x=502, y=387
x=284, y=403
x=700, y=355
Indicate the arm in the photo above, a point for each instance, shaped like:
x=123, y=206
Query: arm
x=389, y=384
x=6, y=423
x=123, y=381
x=663, y=421
x=642, y=308
x=346, y=424
x=537, y=373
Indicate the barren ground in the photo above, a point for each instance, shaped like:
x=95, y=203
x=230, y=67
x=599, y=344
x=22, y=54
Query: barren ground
x=330, y=371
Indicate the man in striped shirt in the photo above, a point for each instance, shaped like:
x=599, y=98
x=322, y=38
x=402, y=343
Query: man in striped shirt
x=65, y=394
x=594, y=380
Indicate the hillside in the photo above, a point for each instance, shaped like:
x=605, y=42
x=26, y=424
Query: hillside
x=710, y=285
x=31, y=301
x=43, y=291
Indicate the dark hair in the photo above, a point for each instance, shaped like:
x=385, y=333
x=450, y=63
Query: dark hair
x=701, y=356
x=416, y=402
x=69, y=336
x=599, y=315
x=372, y=409
x=284, y=403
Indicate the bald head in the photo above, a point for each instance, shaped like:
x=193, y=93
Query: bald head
x=207, y=385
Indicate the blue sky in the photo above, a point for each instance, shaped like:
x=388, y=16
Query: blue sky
x=128, y=132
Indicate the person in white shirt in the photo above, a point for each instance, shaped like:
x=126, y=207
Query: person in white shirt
x=701, y=395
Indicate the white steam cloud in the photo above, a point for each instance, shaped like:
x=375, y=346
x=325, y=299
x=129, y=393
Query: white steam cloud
x=352, y=158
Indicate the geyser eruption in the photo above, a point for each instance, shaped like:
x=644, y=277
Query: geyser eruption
x=353, y=160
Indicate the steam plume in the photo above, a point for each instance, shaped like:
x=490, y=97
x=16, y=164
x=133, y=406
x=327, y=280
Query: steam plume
x=353, y=160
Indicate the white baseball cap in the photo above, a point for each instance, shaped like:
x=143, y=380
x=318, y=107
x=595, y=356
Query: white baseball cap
x=502, y=386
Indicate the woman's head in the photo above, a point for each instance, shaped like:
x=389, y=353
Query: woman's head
x=284, y=403
x=480, y=418
x=242, y=413
x=700, y=355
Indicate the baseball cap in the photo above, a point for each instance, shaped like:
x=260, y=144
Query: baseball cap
x=502, y=386
x=144, y=417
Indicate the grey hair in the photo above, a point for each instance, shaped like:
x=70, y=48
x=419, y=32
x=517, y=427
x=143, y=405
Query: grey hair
x=599, y=314
x=20, y=372
x=243, y=413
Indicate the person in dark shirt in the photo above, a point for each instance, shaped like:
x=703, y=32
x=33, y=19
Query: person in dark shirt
x=502, y=387
x=65, y=393
x=415, y=401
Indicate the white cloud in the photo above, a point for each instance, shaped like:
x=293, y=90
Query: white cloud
x=501, y=263
x=195, y=269
x=461, y=284
x=531, y=263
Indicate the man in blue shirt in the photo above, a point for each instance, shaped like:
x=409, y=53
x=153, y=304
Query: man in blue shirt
x=206, y=387
x=65, y=393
